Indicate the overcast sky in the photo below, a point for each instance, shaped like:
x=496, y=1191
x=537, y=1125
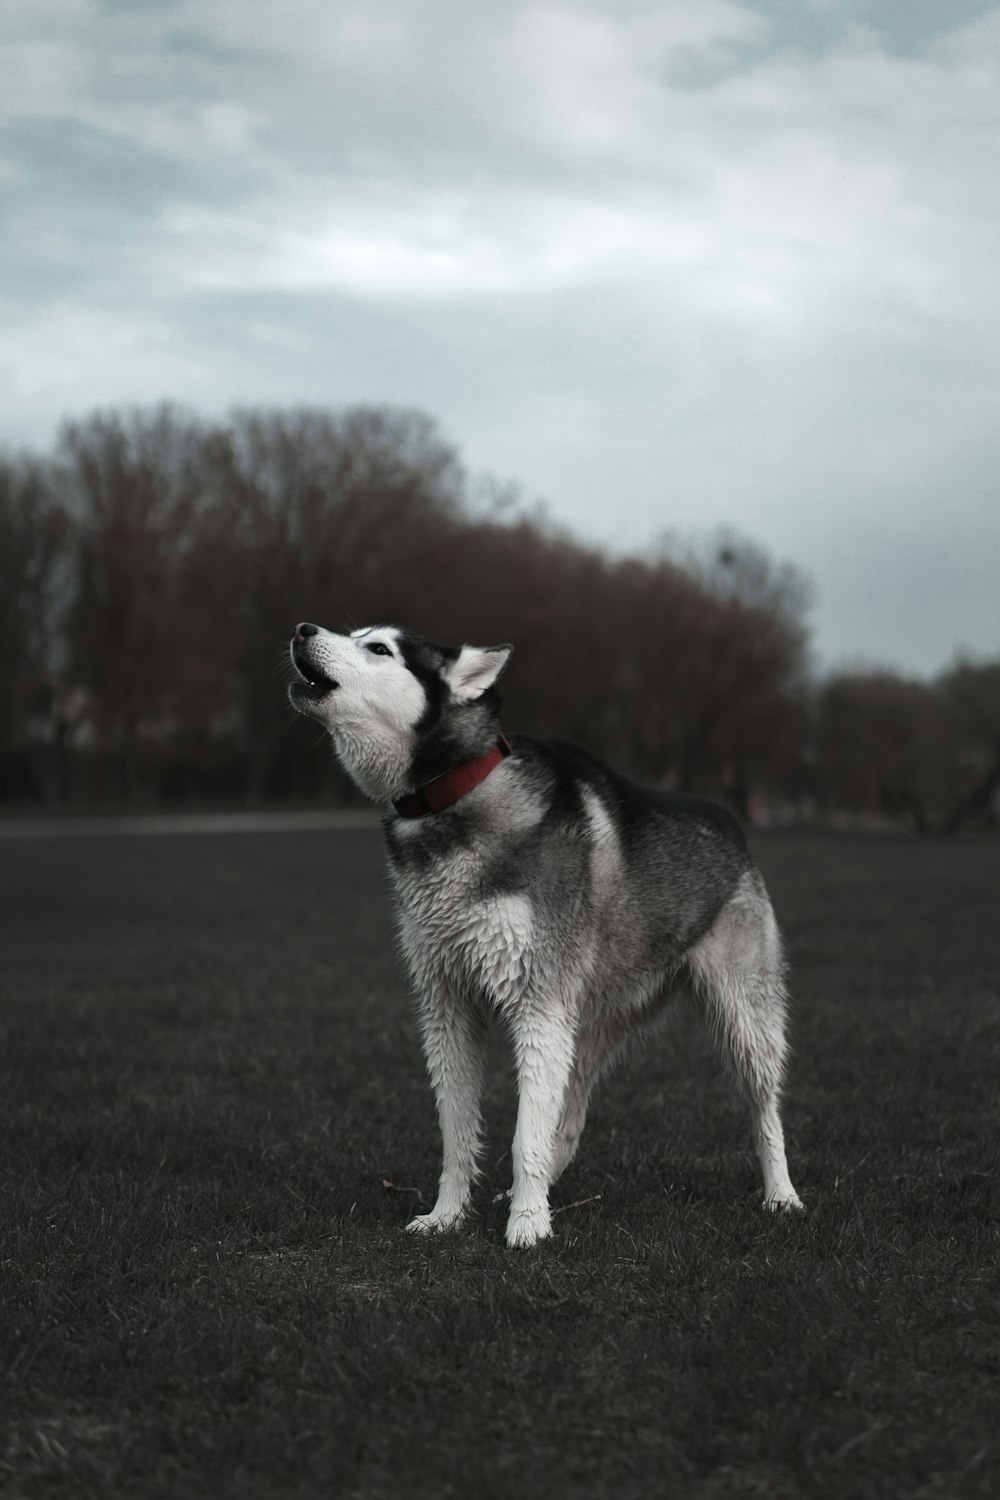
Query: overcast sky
x=667, y=265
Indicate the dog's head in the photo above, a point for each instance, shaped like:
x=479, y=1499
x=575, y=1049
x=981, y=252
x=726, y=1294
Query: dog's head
x=400, y=709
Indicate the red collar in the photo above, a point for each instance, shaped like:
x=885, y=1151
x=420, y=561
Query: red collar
x=444, y=790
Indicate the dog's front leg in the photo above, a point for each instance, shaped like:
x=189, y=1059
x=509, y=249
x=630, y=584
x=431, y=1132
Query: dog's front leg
x=543, y=1050
x=454, y=1040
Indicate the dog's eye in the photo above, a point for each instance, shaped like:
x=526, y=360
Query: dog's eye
x=377, y=649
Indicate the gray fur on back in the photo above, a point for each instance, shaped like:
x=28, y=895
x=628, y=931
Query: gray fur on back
x=619, y=880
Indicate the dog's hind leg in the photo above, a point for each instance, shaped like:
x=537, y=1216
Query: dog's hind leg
x=738, y=971
x=596, y=1047
x=454, y=1037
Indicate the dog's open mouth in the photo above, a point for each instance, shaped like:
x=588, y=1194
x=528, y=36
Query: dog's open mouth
x=313, y=682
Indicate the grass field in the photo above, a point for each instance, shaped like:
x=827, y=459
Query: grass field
x=215, y=1123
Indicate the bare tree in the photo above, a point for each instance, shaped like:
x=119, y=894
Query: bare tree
x=32, y=536
x=195, y=546
x=330, y=515
x=885, y=745
x=132, y=489
x=970, y=691
x=744, y=664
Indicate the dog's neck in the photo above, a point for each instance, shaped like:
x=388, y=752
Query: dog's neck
x=445, y=790
x=386, y=768
x=379, y=767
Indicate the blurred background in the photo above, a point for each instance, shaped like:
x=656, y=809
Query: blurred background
x=660, y=340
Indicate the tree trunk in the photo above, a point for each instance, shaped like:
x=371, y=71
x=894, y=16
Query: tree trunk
x=980, y=802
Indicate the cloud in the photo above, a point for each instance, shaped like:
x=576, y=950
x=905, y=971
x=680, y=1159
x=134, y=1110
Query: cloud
x=668, y=264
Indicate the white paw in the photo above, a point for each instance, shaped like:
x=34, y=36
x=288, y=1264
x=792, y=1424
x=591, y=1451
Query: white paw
x=438, y=1221
x=527, y=1227
x=787, y=1202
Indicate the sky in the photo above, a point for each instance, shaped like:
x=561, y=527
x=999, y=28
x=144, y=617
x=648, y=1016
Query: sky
x=667, y=266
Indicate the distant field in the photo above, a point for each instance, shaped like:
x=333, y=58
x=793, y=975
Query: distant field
x=215, y=1123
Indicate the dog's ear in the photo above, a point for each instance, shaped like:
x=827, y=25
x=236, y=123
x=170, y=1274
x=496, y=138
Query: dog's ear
x=475, y=669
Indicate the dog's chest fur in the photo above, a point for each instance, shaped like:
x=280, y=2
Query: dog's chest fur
x=455, y=929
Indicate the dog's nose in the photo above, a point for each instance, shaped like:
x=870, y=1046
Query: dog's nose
x=301, y=631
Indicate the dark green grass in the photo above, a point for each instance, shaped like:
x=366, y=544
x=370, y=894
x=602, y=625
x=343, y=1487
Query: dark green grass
x=210, y=1075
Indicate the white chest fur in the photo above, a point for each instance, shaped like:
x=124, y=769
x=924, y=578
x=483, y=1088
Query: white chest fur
x=455, y=935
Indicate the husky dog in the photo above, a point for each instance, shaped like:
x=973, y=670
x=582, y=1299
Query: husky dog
x=538, y=886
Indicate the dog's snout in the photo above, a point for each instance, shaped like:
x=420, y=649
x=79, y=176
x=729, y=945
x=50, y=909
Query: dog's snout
x=304, y=629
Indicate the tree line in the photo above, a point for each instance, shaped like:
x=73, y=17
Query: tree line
x=153, y=564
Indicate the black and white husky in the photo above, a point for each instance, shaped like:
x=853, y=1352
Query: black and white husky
x=539, y=886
